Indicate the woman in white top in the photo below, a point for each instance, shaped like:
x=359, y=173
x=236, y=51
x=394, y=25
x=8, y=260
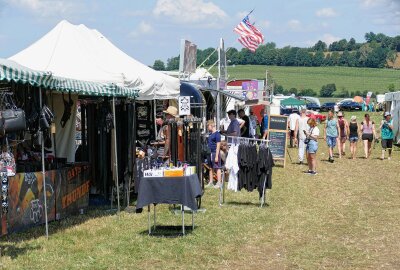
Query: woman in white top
x=301, y=125
x=312, y=145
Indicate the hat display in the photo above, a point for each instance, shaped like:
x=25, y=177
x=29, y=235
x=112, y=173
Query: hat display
x=340, y=114
x=386, y=114
x=172, y=111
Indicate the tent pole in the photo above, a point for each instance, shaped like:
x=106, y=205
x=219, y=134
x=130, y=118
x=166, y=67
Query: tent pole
x=115, y=155
x=43, y=170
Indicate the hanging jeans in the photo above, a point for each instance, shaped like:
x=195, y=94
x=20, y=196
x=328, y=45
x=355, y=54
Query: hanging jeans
x=302, y=148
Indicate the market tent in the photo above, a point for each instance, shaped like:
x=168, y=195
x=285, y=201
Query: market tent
x=12, y=71
x=79, y=53
x=292, y=102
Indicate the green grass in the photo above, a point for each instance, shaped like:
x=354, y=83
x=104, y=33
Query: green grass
x=352, y=79
x=346, y=217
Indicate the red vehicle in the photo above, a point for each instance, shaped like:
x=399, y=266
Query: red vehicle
x=317, y=116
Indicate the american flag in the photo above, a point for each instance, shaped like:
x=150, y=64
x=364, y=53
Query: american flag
x=250, y=36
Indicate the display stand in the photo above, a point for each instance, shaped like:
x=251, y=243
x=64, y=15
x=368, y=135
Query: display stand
x=222, y=188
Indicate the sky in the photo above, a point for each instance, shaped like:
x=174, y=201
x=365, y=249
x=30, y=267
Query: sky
x=148, y=30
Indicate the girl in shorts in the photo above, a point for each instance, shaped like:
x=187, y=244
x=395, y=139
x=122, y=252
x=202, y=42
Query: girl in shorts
x=368, y=134
x=312, y=145
x=354, y=132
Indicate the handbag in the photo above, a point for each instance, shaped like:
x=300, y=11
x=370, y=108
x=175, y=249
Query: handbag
x=12, y=120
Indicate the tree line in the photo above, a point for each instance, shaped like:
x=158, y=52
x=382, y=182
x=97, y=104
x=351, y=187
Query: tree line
x=375, y=52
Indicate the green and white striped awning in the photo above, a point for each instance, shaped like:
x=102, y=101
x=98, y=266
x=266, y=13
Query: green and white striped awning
x=11, y=71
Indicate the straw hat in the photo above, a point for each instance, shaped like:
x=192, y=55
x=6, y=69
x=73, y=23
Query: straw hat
x=172, y=111
x=339, y=114
x=353, y=118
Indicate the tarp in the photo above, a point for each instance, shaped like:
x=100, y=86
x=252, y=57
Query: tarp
x=79, y=53
x=292, y=102
x=358, y=99
x=12, y=71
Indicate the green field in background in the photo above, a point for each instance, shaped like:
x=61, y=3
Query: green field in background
x=352, y=79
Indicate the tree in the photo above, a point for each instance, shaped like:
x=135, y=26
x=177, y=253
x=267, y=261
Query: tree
x=293, y=91
x=307, y=92
x=335, y=58
x=351, y=45
x=318, y=59
x=391, y=87
x=173, y=63
x=377, y=58
x=319, y=46
x=328, y=90
x=159, y=65
x=369, y=37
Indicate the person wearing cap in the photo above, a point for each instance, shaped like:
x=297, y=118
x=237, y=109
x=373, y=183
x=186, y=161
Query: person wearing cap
x=169, y=114
x=354, y=131
x=301, y=126
x=387, y=135
x=343, y=126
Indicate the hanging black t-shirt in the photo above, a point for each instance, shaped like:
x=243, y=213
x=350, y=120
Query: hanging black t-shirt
x=264, y=164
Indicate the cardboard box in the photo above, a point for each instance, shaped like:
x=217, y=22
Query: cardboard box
x=173, y=173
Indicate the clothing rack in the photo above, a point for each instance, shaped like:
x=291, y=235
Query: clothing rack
x=244, y=139
x=222, y=188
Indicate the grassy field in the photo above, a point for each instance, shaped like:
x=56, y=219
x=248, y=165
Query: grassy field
x=346, y=217
x=352, y=79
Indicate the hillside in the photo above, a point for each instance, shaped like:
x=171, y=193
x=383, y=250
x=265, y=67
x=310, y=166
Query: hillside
x=352, y=79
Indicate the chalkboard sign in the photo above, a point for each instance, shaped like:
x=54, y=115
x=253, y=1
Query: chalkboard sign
x=277, y=143
x=278, y=122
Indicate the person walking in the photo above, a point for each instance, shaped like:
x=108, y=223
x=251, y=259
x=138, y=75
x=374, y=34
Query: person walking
x=354, y=131
x=387, y=135
x=293, y=117
x=343, y=126
x=331, y=134
x=214, y=159
x=301, y=126
x=368, y=134
x=312, y=145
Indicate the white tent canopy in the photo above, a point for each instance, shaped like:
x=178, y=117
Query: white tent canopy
x=77, y=52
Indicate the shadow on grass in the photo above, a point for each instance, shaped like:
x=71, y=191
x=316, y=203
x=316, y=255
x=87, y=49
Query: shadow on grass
x=57, y=225
x=252, y=204
x=168, y=231
x=13, y=252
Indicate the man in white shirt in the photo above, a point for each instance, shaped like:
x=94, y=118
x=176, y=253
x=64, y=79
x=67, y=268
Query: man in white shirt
x=301, y=126
x=293, y=117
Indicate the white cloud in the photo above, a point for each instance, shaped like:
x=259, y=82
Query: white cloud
x=195, y=12
x=326, y=13
x=329, y=38
x=240, y=15
x=373, y=3
x=45, y=8
x=265, y=24
x=142, y=29
x=294, y=25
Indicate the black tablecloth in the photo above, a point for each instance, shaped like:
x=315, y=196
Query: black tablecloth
x=170, y=190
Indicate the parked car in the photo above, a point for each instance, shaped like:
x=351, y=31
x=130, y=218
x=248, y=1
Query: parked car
x=287, y=110
x=316, y=115
x=350, y=106
x=313, y=106
x=328, y=106
x=344, y=100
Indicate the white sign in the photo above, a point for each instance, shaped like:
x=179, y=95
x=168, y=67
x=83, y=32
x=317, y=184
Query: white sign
x=184, y=105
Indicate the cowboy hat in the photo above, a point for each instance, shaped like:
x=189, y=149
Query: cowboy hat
x=172, y=111
x=339, y=114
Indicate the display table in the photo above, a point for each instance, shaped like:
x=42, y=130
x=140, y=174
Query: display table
x=169, y=190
